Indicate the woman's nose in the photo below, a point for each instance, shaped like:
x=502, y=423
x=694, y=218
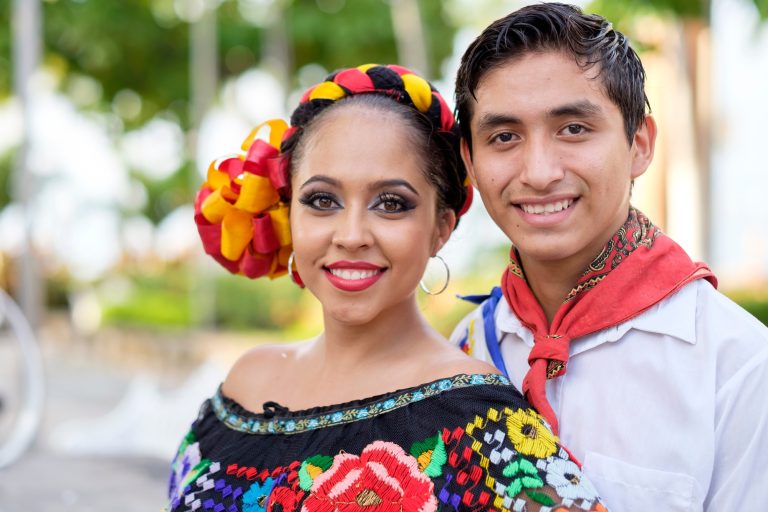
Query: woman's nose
x=352, y=230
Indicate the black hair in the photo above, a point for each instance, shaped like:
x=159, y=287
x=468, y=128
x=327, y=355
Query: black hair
x=590, y=39
x=437, y=148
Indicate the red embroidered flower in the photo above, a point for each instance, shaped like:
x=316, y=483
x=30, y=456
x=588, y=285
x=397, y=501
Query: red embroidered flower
x=383, y=478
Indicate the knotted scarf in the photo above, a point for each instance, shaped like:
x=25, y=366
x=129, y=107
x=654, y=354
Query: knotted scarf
x=637, y=268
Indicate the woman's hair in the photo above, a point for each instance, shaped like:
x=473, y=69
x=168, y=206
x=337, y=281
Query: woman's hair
x=588, y=38
x=241, y=211
x=435, y=138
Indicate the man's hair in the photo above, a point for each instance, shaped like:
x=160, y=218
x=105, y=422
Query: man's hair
x=590, y=39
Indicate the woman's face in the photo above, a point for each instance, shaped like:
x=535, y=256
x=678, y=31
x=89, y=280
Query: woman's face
x=364, y=219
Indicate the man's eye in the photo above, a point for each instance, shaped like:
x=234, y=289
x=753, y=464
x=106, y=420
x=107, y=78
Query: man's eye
x=575, y=129
x=504, y=137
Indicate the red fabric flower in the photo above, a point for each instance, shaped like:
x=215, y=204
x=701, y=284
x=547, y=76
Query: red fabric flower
x=382, y=479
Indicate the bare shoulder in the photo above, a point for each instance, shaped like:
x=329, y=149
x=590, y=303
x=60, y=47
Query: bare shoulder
x=463, y=363
x=450, y=360
x=257, y=372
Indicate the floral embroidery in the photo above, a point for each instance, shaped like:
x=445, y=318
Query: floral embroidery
x=383, y=476
x=431, y=455
x=567, y=479
x=312, y=468
x=529, y=435
x=524, y=475
x=187, y=466
x=256, y=499
x=261, y=425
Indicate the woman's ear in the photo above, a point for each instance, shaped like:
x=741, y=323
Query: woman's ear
x=446, y=222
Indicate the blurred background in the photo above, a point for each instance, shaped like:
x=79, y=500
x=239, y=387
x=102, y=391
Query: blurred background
x=111, y=111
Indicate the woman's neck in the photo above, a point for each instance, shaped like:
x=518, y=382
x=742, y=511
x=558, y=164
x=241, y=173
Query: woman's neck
x=386, y=339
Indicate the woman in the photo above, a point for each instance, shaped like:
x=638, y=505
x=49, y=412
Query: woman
x=378, y=411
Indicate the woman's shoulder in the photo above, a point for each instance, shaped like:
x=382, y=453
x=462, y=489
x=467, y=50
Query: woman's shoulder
x=258, y=371
x=449, y=360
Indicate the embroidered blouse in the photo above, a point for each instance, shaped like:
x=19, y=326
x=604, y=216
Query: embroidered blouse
x=469, y=442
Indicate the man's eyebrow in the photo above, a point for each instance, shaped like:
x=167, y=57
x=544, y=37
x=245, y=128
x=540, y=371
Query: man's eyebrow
x=583, y=108
x=489, y=121
x=320, y=178
x=393, y=183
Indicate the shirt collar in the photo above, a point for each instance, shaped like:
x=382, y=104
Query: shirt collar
x=671, y=317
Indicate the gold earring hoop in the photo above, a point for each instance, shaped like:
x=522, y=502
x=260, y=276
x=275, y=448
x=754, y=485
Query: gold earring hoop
x=294, y=277
x=447, y=279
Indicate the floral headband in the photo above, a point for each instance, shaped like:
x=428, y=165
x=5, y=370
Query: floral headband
x=241, y=210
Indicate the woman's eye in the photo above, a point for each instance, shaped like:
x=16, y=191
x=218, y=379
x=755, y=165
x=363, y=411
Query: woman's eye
x=391, y=203
x=319, y=201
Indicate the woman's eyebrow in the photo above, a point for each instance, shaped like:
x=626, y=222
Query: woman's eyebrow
x=393, y=183
x=320, y=178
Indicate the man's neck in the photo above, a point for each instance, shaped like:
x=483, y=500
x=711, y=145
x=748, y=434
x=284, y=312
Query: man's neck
x=551, y=282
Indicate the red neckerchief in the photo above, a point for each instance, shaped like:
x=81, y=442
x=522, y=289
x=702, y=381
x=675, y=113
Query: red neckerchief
x=614, y=288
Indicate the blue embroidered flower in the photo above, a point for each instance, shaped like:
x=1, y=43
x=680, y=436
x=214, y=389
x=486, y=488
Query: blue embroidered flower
x=256, y=499
x=478, y=379
x=418, y=395
x=389, y=403
x=336, y=417
x=312, y=423
x=362, y=413
x=290, y=426
x=444, y=384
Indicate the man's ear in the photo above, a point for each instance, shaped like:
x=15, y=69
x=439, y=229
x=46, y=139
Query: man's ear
x=466, y=157
x=643, y=146
x=446, y=222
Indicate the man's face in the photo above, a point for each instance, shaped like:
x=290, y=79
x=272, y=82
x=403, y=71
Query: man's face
x=550, y=157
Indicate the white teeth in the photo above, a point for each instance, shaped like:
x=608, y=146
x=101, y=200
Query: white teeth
x=353, y=275
x=547, y=208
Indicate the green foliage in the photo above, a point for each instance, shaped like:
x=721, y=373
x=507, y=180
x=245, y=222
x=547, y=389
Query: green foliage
x=123, y=45
x=361, y=32
x=164, y=196
x=256, y=304
x=622, y=11
x=164, y=300
x=6, y=167
x=142, y=45
x=755, y=303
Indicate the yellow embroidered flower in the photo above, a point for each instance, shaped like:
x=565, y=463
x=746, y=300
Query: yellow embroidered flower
x=529, y=435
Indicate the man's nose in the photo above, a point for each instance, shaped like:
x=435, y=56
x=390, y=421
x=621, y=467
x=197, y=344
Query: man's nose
x=540, y=167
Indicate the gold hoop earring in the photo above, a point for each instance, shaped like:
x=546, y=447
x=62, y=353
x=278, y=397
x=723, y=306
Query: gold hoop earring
x=294, y=276
x=447, y=279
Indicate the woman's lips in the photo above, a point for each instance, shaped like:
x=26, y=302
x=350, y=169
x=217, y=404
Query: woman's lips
x=353, y=276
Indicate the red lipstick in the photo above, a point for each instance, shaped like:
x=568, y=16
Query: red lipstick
x=353, y=276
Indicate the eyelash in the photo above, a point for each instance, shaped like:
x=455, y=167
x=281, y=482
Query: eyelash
x=387, y=197
x=496, y=138
x=311, y=200
x=583, y=129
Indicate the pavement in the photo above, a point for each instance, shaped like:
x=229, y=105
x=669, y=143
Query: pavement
x=112, y=422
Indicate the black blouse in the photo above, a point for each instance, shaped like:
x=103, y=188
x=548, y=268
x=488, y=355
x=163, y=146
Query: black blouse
x=469, y=442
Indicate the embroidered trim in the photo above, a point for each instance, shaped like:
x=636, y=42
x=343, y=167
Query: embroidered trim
x=260, y=425
x=637, y=231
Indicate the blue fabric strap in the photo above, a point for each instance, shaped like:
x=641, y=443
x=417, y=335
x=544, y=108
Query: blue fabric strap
x=489, y=303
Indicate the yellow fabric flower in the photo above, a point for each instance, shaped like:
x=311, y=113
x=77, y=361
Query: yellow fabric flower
x=529, y=435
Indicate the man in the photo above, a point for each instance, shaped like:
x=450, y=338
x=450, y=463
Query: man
x=653, y=379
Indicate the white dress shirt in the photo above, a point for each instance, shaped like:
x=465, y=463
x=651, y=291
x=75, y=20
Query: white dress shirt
x=667, y=411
